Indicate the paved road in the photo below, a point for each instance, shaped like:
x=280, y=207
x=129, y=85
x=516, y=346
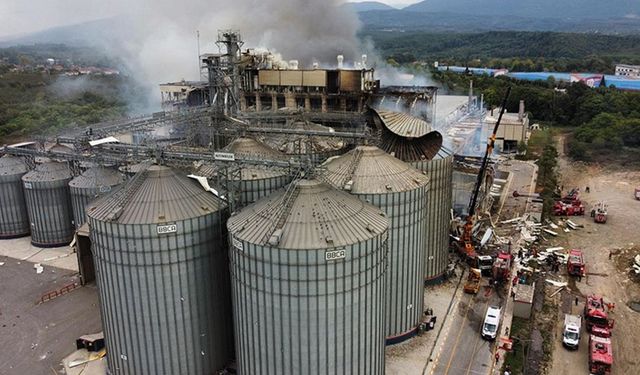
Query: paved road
x=463, y=351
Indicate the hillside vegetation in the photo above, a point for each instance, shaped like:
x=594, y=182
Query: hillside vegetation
x=517, y=51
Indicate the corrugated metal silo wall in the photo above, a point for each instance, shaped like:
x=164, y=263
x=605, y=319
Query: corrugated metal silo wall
x=296, y=313
x=80, y=199
x=440, y=172
x=253, y=190
x=14, y=221
x=406, y=212
x=50, y=213
x=165, y=299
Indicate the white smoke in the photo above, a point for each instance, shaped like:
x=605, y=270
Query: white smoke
x=162, y=45
x=157, y=38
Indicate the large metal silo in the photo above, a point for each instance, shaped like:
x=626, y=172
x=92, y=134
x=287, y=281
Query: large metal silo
x=89, y=186
x=413, y=141
x=400, y=190
x=161, y=256
x=308, y=271
x=46, y=192
x=439, y=204
x=14, y=221
x=256, y=181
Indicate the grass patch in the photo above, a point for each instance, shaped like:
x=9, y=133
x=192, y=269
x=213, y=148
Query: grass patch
x=521, y=334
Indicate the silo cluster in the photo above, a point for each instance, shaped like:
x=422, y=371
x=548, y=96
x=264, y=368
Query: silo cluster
x=400, y=191
x=46, y=191
x=308, y=277
x=160, y=251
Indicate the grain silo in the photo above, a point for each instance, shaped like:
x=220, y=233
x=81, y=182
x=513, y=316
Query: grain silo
x=412, y=140
x=400, y=190
x=14, y=221
x=160, y=251
x=46, y=192
x=255, y=181
x=308, y=271
x=439, y=204
x=90, y=185
x=301, y=146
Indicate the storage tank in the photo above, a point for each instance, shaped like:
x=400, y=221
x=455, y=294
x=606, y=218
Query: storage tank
x=160, y=251
x=400, y=190
x=439, y=204
x=316, y=148
x=308, y=267
x=14, y=221
x=46, y=191
x=413, y=141
x=89, y=186
x=255, y=181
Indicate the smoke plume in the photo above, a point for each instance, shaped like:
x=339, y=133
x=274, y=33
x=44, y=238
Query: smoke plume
x=156, y=39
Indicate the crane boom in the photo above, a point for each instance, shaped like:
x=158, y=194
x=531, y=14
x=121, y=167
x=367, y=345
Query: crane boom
x=466, y=236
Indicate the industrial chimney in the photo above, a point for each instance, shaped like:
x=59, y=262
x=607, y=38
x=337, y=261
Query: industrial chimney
x=340, y=61
x=470, y=96
x=521, y=111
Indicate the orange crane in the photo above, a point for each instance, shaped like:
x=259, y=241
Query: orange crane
x=467, y=241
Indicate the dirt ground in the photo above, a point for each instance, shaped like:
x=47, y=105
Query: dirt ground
x=607, y=276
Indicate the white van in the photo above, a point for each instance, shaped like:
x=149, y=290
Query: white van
x=491, y=323
x=571, y=334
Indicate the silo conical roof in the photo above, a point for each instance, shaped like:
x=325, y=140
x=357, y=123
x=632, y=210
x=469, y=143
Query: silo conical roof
x=299, y=143
x=49, y=171
x=316, y=216
x=404, y=125
x=11, y=165
x=408, y=138
x=97, y=177
x=159, y=195
x=252, y=148
x=60, y=148
x=370, y=170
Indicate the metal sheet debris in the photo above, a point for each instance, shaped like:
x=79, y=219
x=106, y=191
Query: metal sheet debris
x=557, y=283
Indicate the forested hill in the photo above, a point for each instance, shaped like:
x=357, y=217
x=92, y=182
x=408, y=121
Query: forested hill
x=568, y=52
x=561, y=9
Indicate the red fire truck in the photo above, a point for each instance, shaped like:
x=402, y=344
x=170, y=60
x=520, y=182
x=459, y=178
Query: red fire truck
x=596, y=316
x=575, y=264
x=600, y=355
